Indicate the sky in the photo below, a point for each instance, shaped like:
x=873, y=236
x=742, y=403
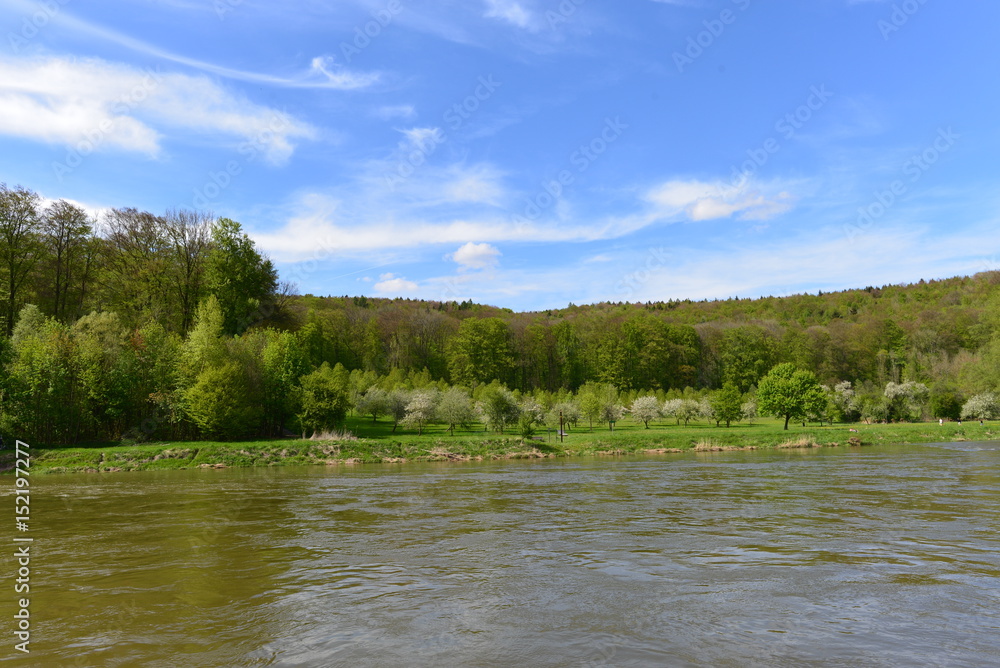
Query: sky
x=529, y=153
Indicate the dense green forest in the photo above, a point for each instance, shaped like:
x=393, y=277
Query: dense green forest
x=145, y=326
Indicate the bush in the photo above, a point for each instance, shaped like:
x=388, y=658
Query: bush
x=219, y=404
x=324, y=398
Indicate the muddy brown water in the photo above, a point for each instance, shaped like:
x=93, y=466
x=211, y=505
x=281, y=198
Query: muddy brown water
x=886, y=556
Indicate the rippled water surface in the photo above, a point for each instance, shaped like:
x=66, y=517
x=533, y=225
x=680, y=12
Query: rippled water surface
x=874, y=557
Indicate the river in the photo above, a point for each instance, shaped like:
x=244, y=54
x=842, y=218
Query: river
x=884, y=556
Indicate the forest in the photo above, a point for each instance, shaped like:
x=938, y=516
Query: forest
x=140, y=326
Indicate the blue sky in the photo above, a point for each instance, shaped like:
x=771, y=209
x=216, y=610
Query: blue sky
x=529, y=153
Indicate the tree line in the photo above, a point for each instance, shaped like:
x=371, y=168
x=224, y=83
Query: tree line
x=175, y=325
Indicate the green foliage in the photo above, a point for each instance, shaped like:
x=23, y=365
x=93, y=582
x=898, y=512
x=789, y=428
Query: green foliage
x=324, y=398
x=239, y=276
x=219, y=405
x=748, y=352
x=499, y=407
x=789, y=393
x=189, y=294
x=21, y=245
x=455, y=409
x=481, y=352
x=727, y=404
x=946, y=404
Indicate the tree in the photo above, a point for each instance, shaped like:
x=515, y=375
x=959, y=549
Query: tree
x=40, y=393
x=324, y=398
x=845, y=402
x=481, y=352
x=687, y=410
x=243, y=280
x=67, y=265
x=946, y=404
x=499, y=407
x=727, y=404
x=748, y=351
x=789, y=393
x=645, y=409
x=590, y=405
x=984, y=406
x=204, y=346
x=219, y=405
x=906, y=400
x=283, y=361
x=135, y=267
x=396, y=402
x=374, y=402
x=108, y=373
x=420, y=410
x=672, y=408
x=189, y=234
x=455, y=409
x=20, y=247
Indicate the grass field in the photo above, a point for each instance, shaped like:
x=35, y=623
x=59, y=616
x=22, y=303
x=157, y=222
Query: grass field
x=376, y=442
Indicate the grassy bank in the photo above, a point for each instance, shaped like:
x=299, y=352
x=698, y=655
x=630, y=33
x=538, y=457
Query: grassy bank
x=377, y=443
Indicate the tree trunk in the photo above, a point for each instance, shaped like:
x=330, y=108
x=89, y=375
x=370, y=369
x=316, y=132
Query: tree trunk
x=787, y=418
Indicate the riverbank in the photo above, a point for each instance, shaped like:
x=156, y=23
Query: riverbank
x=477, y=446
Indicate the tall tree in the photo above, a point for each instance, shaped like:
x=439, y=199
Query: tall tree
x=189, y=234
x=135, y=267
x=67, y=266
x=242, y=279
x=20, y=247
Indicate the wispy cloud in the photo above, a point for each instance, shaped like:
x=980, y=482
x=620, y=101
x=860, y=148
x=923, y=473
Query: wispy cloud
x=109, y=105
x=700, y=200
x=510, y=11
x=322, y=72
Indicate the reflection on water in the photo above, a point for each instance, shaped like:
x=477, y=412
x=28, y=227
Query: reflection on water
x=883, y=556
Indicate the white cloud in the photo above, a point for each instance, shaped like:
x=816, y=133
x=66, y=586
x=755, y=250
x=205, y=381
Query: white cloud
x=389, y=112
x=476, y=256
x=389, y=284
x=699, y=200
x=322, y=73
x=421, y=139
x=510, y=11
x=109, y=105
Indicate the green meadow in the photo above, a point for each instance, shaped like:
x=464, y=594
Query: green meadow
x=369, y=443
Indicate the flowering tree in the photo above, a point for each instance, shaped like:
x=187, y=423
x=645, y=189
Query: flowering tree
x=983, y=407
x=645, y=409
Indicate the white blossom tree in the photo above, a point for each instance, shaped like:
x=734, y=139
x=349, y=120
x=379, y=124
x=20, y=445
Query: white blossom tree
x=982, y=407
x=420, y=410
x=645, y=410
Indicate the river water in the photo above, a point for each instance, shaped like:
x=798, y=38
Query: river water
x=886, y=556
